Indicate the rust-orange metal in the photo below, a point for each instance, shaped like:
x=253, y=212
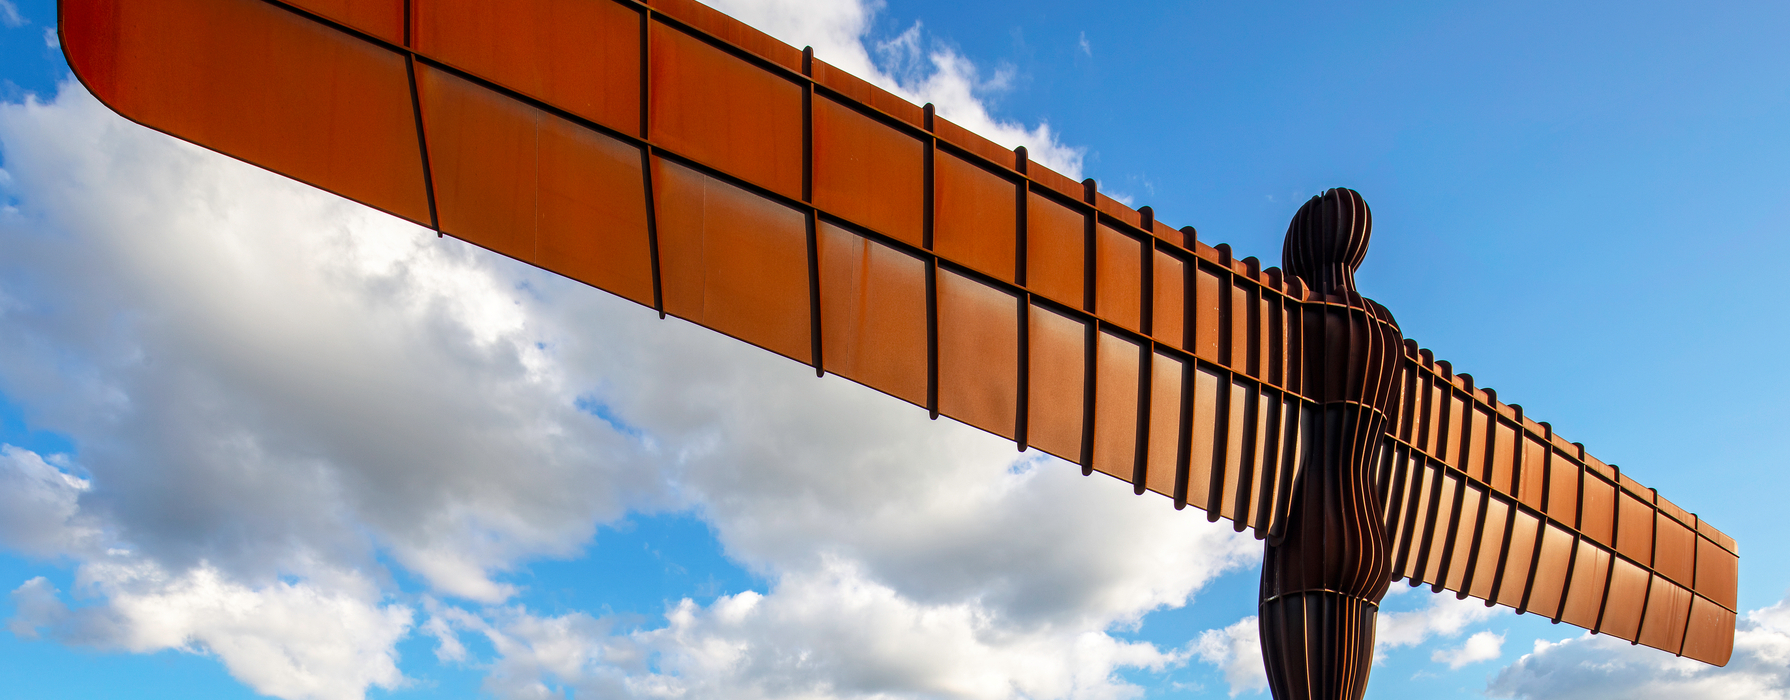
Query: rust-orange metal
x=678, y=158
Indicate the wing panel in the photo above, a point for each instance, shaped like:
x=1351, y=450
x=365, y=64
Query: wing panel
x=1718, y=573
x=1532, y=472
x=1476, y=442
x=1585, y=590
x=1118, y=277
x=1058, y=379
x=978, y=353
x=1056, y=250
x=1519, y=559
x=1490, y=549
x=1553, y=568
x=1442, y=523
x=1668, y=611
x=592, y=224
x=1503, y=462
x=1563, y=488
x=723, y=111
x=873, y=315
x=977, y=218
x=869, y=171
x=1240, y=454
x=1168, y=379
x=1209, y=304
x=1168, y=300
x=1597, y=508
x=1710, y=635
x=733, y=260
x=1206, y=449
x=1626, y=600
x=485, y=163
x=1675, y=550
x=1117, y=394
x=1634, y=535
x=1469, y=515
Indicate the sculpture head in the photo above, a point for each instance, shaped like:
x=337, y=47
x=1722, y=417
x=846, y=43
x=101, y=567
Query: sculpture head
x=1327, y=241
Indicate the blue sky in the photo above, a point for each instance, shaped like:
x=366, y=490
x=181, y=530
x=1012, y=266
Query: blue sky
x=264, y=442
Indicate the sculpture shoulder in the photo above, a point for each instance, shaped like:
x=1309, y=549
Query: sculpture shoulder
x=1384, y=315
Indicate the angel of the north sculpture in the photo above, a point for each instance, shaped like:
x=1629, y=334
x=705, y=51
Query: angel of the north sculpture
x=666, y=153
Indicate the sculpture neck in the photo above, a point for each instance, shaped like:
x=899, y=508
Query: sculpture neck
x=1335, y=278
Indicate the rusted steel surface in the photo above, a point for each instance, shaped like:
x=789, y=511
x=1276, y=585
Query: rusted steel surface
x=678, y=158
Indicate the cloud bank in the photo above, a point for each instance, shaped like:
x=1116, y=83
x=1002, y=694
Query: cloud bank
x=1601, y=668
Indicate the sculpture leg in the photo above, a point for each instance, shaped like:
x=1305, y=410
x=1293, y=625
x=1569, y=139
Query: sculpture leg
x=1323, y=580
x=1317, y=645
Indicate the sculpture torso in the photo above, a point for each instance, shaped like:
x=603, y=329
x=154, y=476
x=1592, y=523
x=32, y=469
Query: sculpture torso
x=1334, y=538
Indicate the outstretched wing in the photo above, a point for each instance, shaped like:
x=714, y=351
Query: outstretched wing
x=678, y=158
x=1484, y=501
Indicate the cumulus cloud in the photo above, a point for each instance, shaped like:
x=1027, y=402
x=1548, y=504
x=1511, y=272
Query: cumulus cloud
x=1602, y=668
x=329, y=639
x=1482, y=646
x=39, y=515
x=1444, y=616
x=1236, y=650
x=835, y=634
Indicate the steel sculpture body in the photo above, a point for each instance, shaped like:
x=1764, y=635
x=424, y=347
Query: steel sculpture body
x=673, y=156
x=1323, y=580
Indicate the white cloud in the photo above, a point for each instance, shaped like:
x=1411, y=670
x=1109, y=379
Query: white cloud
x=328, y=640
x=34, y=605
x=1482, y=646
x=830, y=635
x=1444, y=616
x=1081, y=42
x=39, y=515
x=1602, y=668
x=1236, y=650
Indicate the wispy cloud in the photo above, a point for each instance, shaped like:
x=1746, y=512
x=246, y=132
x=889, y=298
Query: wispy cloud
x=9, y=15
